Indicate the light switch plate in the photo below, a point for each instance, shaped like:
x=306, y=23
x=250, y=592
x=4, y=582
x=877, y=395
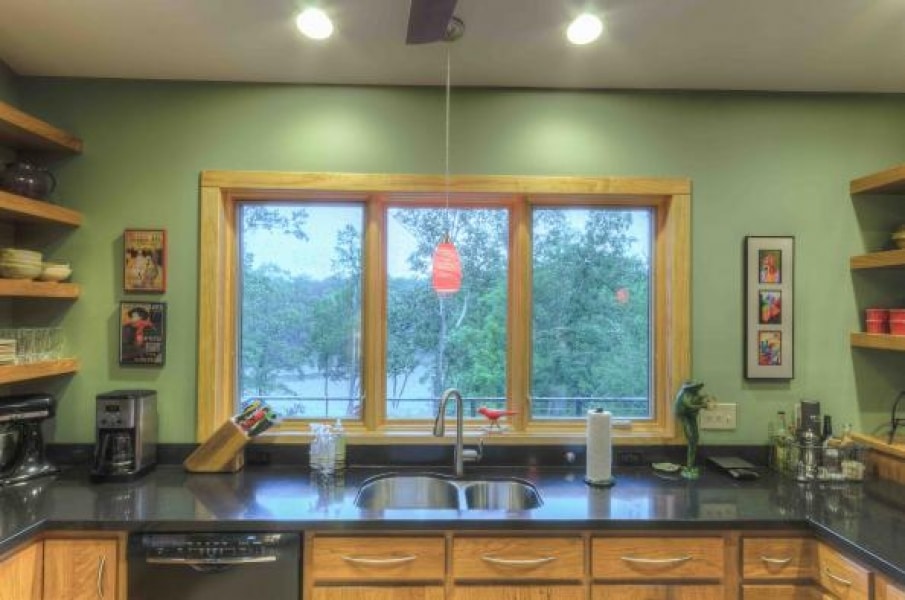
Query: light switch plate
x=721, y=416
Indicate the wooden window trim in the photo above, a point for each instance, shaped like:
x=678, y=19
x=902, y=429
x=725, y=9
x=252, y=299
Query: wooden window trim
x=217, y=352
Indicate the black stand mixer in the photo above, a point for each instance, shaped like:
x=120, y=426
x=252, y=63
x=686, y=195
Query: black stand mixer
x=21, y=443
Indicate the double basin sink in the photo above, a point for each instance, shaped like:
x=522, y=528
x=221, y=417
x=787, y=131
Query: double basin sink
x=438, y=492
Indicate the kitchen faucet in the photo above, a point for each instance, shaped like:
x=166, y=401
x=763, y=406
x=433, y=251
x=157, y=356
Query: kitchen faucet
x=461, y=455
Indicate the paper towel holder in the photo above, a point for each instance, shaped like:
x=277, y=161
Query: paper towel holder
x=600, y=483
x=603, y=483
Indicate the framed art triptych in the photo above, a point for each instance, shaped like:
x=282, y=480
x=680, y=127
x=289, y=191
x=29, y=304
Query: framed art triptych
x=769, y=307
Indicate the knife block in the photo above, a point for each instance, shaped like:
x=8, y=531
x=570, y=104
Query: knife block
x=223, y=452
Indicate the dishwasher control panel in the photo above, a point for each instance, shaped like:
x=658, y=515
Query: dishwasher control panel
x=212, y=546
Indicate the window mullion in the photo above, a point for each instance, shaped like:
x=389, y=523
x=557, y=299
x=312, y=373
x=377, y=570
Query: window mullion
x=519, y=313
x=374, y=315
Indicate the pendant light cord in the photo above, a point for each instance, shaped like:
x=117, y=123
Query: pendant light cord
x=446, y=171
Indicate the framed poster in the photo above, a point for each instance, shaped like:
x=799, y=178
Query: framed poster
x=769, y=307
x=142, y=338
x=145, y=260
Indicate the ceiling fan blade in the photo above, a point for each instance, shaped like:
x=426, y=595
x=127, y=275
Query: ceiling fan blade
x=428, y=20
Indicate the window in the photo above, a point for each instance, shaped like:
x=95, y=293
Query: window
x=315, y=293
x=590, y=312
x=300, y=307
x=438, y=342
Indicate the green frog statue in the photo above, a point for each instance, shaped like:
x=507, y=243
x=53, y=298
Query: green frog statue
x=689, y=402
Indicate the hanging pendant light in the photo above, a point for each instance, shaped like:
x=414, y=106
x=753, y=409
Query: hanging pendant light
x=447, y=268
x=447, y=277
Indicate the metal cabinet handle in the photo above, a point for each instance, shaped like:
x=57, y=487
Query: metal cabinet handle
x=776, y=561
x=517, y=562
x=394, y=560
x=656, y=561
x=836, y=578
x=102, y=561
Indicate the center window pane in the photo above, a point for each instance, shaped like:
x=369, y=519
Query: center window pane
x=435, y=342
x=300, y=308
x=591, y=312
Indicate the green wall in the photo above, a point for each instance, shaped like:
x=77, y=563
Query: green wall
x=761, y=164
x=8, y=85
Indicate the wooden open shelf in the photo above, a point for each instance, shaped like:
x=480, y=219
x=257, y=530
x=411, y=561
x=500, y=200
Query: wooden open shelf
x=21, y=131
x=880, y=444
x=888, y=181
x=878, y=260
x=18, y=373
x=878, y=341
x=22, y=209
x=25, y=288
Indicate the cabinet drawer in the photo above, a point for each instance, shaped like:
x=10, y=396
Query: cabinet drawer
x=386, y=592
x=504, y=558
x=781, y=592
x=657, y=558
x=518, y=592
x=378, y=558
x=657, y=592
x=779, y=558
x=841, y=577
x=887, y=591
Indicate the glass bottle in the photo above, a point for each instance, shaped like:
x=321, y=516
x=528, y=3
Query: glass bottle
x=779, y=441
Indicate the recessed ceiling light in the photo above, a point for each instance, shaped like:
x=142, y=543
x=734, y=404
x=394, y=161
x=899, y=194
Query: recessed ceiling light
x=584, y=29
x=314, y=23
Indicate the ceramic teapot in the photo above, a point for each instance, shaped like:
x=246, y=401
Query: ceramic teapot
x=27, y=179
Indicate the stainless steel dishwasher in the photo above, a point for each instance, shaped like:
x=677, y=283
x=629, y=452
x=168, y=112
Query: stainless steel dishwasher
x=214, y=566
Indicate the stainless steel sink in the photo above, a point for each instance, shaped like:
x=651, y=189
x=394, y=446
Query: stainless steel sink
x=506, y=494
x=429, y=491
x=408, y=492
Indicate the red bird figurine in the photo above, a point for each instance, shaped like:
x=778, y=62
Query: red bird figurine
x=494, y=414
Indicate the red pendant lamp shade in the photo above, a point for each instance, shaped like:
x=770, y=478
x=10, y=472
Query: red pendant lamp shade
x=447, y=276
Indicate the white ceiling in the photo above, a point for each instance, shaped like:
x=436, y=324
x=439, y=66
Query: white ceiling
x=777, y=45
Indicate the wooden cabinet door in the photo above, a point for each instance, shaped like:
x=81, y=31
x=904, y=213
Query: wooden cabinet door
x=781, y=592
x=887, y=591
x=517, y=558
x=647, y=558
x=20, y=574
x=518, y=592
x=779, y=558
x=377, y=558
x=80, y=569
x=658, y=592
x=378, y=593
x=842, y=577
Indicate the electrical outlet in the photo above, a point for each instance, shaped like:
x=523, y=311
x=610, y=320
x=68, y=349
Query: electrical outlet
x=720, y=416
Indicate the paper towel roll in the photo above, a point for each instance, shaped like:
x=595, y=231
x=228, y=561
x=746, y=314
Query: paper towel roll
x=599, y=448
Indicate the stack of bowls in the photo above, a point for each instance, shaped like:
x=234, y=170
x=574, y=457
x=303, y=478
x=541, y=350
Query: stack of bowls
x=51, y=271
x=898, y=237
x=16, y=263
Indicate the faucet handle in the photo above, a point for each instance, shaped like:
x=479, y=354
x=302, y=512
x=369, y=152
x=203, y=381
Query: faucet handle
x=473, y=456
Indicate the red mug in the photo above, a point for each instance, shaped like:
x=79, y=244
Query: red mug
x=897, y=321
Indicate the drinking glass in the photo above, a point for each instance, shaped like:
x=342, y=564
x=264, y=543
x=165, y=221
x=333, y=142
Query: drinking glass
x=25, y=345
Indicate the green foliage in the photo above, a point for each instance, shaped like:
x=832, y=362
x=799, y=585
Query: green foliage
x=590, y=320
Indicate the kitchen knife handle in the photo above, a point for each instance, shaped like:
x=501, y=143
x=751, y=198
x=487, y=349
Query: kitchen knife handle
x=518, y=562
x=392, y=560
x=656, y=561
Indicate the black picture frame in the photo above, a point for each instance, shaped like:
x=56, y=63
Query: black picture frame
x=769, y=307
x=142, y=334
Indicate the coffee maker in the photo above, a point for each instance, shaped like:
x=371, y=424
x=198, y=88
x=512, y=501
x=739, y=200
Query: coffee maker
x=21, y=442
x=125, y=435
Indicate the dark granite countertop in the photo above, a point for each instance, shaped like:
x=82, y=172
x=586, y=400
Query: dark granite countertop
x=865, y=520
